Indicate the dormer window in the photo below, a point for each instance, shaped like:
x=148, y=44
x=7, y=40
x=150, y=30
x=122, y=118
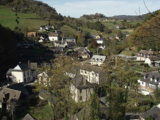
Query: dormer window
x=153, y=77
x=97, y=59
x=146, y=76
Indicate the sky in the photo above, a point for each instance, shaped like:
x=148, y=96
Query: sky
x=77, y=8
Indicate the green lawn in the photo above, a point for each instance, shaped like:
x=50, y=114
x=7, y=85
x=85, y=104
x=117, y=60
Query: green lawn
x=28, y=21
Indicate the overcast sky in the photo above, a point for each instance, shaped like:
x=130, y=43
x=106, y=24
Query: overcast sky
x=76, y=8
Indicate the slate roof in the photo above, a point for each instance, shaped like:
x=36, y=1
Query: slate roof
x=81, y=83
x=153, y=112
x=154, y=58
x=20, y=66
x=19, y=87
x=155, y=75
x=82, y=50
x=147, y=52
x=53, y=34
x=7, y=94
x=28, y=117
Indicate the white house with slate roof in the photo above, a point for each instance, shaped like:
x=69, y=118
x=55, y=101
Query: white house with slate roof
x=19, y=74
x=97, y=60
x=149, y=83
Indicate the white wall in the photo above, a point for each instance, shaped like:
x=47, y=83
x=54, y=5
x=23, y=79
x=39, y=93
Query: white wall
x=18, y=75
x=148, y=61
x=141, y=58
x=84, y=94
x=53, y=38
x=91, y=76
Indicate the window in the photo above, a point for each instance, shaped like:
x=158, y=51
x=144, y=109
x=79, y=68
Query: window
x=80, y=98
x=153, y=77
x=80, y=91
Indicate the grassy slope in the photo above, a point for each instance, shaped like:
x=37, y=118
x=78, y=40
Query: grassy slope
x=28, y=21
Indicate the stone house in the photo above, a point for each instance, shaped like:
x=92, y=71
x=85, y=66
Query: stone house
x=93, y=74
x=80, y=89
x=149, y=83
x=144, y=54
x=8, y=96
x=21, y=74
x=82, y=53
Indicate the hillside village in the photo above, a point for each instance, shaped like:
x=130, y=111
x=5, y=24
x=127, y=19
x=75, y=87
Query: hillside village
x=67, y=76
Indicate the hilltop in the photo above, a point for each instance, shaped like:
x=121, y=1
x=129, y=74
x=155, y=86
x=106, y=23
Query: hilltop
x=33, y=15
x=32, y=6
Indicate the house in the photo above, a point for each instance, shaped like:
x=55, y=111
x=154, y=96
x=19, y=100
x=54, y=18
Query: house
x=117, y=38
x=45, y=28
x=82, y=53
x=20, y=73
x=117, y=27
x=97, y=37
x=42, y=28
x=97, y=60
x=100, y=41
x=149, y=83
x=152, y=114
x=80, y=89
x=62, y=44
x=144, y=54
x=93, y=74
x=52, y=36
x=43, y=78
x=70, y=40
x=41, y=39
x=7, y=96
x=28, y=117
x=153, y=61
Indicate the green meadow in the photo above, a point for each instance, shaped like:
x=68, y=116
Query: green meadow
x=27, y=21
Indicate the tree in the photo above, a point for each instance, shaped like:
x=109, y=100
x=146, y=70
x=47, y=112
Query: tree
x=59, y=97
x=94, y=107
x=120, y=80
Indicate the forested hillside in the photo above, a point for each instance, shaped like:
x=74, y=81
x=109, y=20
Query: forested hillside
x=147, y=36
